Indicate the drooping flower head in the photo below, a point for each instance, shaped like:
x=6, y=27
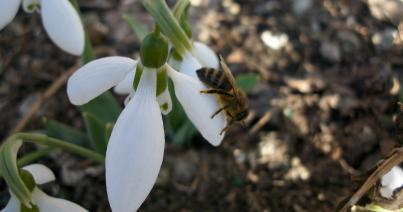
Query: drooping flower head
x=60, y=19
x=136, y=146
x=38, y=174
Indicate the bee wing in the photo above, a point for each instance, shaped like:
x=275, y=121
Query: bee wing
x=227, y=72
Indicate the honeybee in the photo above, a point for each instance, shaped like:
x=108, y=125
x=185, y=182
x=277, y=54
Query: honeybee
x=233, y=100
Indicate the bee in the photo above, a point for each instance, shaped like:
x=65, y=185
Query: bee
x=233, y=101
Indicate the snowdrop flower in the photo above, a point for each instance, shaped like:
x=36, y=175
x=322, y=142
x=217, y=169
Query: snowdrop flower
x=391, y=181
x=136, y=146
x=41, y=175
x=60, y=19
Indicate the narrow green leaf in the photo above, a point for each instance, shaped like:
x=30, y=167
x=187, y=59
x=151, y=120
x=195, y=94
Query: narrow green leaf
x=139, y=29
x=96, y=132
x=65, y=132
x=108, y=131
x=247, y=81
x=104, y=107
x=184, y=134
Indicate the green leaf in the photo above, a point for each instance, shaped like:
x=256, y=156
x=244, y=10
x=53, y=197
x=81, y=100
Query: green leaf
x=181, y=128
x=108, y=130
x=65, y=132
x=96, y=132
x=247, y=81
x=139, y=29
x=184, y=134
x=104, y=107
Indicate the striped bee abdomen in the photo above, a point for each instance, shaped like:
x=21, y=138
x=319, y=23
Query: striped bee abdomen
x=214, y=78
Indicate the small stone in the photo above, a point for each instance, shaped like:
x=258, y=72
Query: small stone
x=330, y=51
x=274, y=41
x=384, y=40
x=299, y=7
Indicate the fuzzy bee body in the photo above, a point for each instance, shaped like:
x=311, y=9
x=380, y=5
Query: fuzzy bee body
x=234, y=101
x=214, y=79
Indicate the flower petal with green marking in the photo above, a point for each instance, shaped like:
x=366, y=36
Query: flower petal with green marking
x=135, y=150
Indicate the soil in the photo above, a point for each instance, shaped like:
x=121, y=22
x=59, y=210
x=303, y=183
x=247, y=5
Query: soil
x=322, y=112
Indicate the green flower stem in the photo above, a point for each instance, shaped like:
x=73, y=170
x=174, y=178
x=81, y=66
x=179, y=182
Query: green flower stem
x=8, y=160
x=168, y=24
x=57, y=143
x=27, y=159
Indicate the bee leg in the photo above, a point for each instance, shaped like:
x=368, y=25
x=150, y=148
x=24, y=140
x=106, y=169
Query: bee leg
x=226, y=127
x=219, y=110
x=230, y=121
x=216, y=91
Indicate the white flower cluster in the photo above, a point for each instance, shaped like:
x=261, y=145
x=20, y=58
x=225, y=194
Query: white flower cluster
x=136, y=146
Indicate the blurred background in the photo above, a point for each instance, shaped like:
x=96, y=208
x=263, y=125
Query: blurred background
x=321, y=112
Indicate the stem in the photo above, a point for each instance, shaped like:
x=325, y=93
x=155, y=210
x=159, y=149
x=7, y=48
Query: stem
x=27, y=159
x=53, y=142
x=163, y=17
x=88, y=53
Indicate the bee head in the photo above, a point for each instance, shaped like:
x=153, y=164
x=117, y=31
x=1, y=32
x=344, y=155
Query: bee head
x=242, y=115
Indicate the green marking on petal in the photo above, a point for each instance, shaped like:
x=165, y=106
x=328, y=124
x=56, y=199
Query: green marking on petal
x=137, y=77
x=26, y=209
x=164, y=106
x=162, y=80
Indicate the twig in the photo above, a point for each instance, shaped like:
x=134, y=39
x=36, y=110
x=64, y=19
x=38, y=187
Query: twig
x=49, y=92
x=395, y=158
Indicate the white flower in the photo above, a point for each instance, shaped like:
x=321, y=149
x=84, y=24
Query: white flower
x=391, y=181
x=45, y=203
x=60, y=19
x=136, y=146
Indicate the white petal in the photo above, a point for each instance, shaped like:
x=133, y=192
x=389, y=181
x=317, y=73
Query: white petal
x=13, y=205
x=135, y=149
x=126, y=86
x=190, y=65
x=47, y=203
x=8, y=10
x=40, y=173
x=198, y=107
x=391, y=181
x=30, y=6
x=63, y=25
x=96, y=77
x=165, y=102
x=206, y=56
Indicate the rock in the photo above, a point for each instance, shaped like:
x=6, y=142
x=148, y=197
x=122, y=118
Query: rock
x=299, y=7
x=384, y=40
x=391, y=10
x=274, y=41
x=330, y=51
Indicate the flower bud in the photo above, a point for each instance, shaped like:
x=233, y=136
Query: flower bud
x=154, y=50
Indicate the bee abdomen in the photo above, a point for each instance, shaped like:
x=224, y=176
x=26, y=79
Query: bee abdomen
x=213, y=78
